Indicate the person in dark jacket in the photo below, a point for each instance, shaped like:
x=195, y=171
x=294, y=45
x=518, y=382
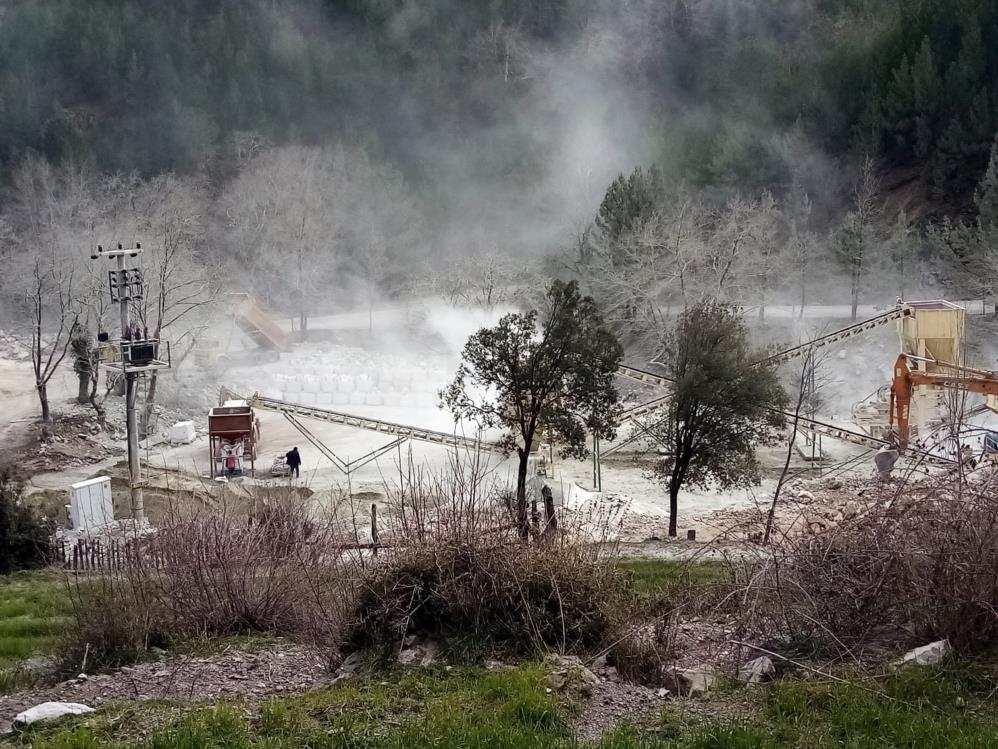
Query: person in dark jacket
x=294, y=461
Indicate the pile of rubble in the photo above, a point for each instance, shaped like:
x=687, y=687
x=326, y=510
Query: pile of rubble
x=14, y=348
x=76, y=440
x=811, y=506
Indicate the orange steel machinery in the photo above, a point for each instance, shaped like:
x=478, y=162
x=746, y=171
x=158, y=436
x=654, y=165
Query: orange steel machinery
x=906, y=379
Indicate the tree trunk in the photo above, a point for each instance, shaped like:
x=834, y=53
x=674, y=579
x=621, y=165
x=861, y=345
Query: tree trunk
x=83, y=391
x=855, y=291
x=550, y=518
x=146, y=416
x=522, y=519
x=43, y=399
x=673, y=505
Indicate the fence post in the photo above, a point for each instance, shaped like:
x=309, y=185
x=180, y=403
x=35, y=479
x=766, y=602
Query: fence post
x=374, y=529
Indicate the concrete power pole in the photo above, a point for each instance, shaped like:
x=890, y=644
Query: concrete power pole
x=138, y=355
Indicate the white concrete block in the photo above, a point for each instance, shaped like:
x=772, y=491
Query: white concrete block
x=182, y=433
x=356, y=399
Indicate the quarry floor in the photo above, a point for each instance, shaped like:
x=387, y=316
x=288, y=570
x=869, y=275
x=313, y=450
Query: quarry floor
x=390, y=366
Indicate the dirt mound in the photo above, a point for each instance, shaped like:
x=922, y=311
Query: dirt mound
x=76, y=440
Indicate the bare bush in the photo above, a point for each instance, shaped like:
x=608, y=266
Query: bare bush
x=458, y=571
x=920, y=565
x=216, y=571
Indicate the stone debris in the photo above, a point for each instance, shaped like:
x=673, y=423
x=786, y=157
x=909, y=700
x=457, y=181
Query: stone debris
x=690, y=682
x=758, y=670
x=349, y=666
x=287, y=669
x=414, y=653
x=567, y=672
x=927, y=655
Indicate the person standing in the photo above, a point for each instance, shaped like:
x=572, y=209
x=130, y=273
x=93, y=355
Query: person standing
x=294, y=462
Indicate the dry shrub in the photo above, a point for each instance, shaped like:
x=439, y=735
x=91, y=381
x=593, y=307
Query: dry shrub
x=922, y=565
x=220, y=570
x=518, y=598
x=642, y=652
x=116, y=623
x=458, y=572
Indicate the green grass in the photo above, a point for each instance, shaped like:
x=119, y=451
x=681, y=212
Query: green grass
x=34, y=612
x=928, y=708
x=472, y=709
x=656, y=577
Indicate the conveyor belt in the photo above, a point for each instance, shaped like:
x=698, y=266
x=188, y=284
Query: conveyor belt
x=839, y=335
x=373, y=425
x=347, y=467
x=818, y=427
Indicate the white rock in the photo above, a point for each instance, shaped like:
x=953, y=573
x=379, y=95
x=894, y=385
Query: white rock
x=927, y=655
x=50, y=711
x=805, y=495
x=757, y=670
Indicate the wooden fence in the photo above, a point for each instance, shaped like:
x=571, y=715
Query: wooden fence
x=86, y=555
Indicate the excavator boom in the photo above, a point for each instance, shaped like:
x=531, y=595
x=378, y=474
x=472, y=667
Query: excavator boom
x=906, y=380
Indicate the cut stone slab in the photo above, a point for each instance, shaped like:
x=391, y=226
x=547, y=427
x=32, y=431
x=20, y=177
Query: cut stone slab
x=50, y=711
x=927, y=655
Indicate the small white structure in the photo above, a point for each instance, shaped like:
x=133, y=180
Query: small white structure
x=90, y=505
x=182, y=433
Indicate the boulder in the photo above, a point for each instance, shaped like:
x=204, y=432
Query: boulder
x=927, y=655
x=691, y=681
x=50, y=711
x=350, y=664
x=419, y=654
x=757, y=670
x=565, y=671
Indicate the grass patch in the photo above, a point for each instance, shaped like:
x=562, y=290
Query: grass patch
x=429, y=708
x=460, y=708
x=659, y=577
x=35, y=611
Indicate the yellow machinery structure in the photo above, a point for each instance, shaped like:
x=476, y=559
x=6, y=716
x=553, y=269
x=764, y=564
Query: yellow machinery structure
x=932, y=333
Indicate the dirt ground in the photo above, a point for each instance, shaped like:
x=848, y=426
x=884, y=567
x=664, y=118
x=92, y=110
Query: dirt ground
x=279, y=669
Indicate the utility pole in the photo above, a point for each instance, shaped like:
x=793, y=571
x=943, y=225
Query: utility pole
x=136, y=355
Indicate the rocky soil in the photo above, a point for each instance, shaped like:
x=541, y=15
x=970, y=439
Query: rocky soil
x=285, y=669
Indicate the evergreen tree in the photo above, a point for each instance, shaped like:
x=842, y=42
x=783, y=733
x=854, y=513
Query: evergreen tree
x=986, y=196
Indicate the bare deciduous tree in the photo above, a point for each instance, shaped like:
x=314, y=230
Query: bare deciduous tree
x=858, y=235
x=180, y=285
x=49, y=299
